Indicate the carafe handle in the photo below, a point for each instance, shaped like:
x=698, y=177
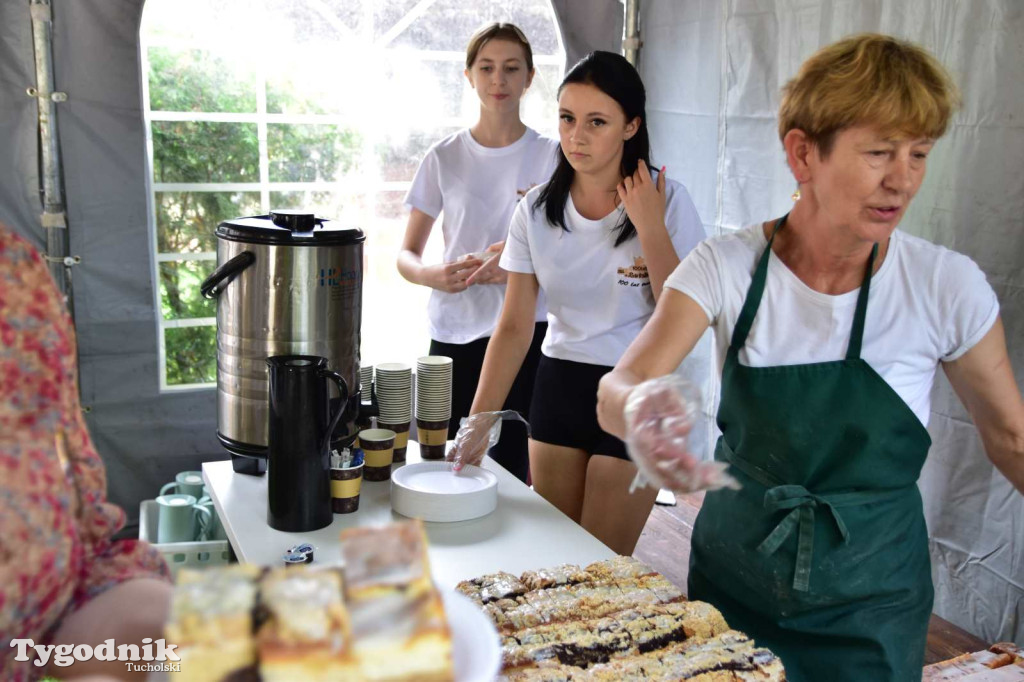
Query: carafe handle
x=342, y=403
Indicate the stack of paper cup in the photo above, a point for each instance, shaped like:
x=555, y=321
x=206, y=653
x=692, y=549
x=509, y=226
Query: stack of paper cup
x=394, y=399
x=433, y=404
x=366, y=382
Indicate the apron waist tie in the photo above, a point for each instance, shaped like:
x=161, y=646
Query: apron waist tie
x=802, y=503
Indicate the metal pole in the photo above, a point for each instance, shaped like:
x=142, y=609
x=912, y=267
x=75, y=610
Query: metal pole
x=53, y=218
x=631, y=42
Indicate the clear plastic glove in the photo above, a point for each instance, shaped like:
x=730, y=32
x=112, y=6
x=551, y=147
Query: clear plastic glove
x=477, y=434
x=660, y=413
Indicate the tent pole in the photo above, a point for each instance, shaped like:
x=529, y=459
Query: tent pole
x=631, y=42
x=53, y=218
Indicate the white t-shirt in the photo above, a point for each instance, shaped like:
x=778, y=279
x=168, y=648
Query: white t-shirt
x=477, y=187
x=599, y=295
x=926, y=304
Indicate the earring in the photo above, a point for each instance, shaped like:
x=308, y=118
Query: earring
x=795, y=196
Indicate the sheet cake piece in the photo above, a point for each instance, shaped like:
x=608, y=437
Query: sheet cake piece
x=727, y=657
x=587, y=642
x=566, y=574
x=401, y=633
x=211, y=622
x=619, y=568
x=307, y=634
x=386, y=558
x=492, y=587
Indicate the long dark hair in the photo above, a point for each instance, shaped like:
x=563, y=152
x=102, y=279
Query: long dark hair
x=614, y=76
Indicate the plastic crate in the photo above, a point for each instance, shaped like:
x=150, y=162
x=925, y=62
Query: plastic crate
x=180, y=554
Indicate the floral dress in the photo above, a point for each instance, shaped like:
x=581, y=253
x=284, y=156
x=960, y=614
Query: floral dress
x=56, y=551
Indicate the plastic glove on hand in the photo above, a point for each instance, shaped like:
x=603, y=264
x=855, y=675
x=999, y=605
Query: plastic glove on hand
x=477, y=434
x=660, y=414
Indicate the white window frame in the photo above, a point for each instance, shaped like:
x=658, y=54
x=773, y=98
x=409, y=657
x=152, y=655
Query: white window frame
x=264, y=186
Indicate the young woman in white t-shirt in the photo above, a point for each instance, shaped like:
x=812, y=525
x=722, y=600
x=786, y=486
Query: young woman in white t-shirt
x=598, y=240
x=476, y=177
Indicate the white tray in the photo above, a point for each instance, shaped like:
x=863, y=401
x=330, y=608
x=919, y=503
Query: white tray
x=433, y=492
x=180, y=554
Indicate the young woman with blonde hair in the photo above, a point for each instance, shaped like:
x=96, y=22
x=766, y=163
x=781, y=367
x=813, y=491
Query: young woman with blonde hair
x=476, y=177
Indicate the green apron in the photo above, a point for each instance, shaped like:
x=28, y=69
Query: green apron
x=822, y=556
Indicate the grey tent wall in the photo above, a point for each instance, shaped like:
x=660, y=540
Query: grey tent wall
x=20, y=203
x=588, y=25
x=143, y=436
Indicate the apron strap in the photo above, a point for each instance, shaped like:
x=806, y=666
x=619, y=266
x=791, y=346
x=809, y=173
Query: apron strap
x=753, y=299
x=857, y=334
x=756, y=291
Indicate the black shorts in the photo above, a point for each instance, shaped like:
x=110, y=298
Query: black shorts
x=564, y=408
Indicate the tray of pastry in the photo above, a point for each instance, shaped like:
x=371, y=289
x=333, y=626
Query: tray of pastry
x=1001, y=662
x=613, y=620
x=377, y=618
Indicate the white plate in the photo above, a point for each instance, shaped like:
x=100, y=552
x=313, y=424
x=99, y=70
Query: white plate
x=476, y=649
x=433, y=492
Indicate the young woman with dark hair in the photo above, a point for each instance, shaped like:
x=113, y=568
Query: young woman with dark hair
x=476, y=176
x=598, y=240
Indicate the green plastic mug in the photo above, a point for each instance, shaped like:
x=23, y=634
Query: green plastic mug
x=186, y=483
x=215, y=529
x=181, y=519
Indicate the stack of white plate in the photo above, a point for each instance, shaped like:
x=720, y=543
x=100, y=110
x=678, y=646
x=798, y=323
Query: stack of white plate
x=366, y=382
x=433, y=492
x=394, y=392
x=434, y=388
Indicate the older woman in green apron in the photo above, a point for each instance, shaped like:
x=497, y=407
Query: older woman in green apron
x=830, y=324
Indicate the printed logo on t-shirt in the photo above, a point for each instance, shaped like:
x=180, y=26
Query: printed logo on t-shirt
x=520, y=193
x=635, y=275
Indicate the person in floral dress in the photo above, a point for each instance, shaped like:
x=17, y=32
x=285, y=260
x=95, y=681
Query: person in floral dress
x=63, y=579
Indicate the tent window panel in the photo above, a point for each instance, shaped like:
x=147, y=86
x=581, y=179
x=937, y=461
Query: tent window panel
x=540, y=106
x=179, y=289
x=185, y=221
x=191, y=354
x=293, y=87
x=334, y=118
x=200, y=151
x=346, y=207
x=311, y=153
x=390, y=334
x=449, y=23
x=199, y=80
x=398, y=157
x=438, y=87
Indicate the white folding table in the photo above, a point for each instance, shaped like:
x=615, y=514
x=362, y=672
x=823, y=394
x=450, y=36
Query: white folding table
x=524, y=532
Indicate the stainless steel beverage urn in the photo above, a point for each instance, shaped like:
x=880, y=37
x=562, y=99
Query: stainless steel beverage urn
x=287, y=283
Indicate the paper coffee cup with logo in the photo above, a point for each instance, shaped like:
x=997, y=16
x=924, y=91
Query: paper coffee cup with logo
x=378, y=447
x=346, y=482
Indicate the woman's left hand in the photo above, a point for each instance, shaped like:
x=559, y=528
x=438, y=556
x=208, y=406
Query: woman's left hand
x=643, y=198
x=490, y=272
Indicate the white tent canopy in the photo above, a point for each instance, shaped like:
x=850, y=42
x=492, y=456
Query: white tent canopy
x=713, y=70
